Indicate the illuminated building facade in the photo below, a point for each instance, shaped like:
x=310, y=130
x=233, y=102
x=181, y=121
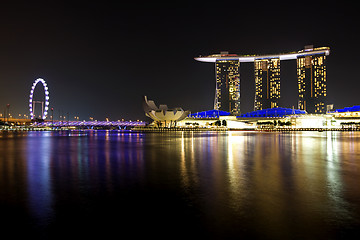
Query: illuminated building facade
x=311, y=72
x=227, y=93
x=267, y=83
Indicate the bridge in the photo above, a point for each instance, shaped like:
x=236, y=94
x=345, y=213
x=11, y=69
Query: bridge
x=93, y=124
x=77, y=124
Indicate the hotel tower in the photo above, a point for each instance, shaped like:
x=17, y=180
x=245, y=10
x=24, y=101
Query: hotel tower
x=311, y=72
x=267, y=83
x=227, y=93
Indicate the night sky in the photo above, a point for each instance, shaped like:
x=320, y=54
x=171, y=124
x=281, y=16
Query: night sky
x=100, y=58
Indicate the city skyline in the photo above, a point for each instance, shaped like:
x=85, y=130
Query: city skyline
x=100, y=59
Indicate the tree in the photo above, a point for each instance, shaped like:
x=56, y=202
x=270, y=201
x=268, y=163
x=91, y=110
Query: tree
x=288, y=123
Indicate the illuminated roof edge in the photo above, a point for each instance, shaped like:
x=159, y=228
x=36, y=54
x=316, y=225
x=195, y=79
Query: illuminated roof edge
x=249, y=58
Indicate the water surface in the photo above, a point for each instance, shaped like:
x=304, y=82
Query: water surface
x=215, y=185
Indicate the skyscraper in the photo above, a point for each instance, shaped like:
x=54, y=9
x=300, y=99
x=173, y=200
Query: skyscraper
x=227, y=93
x=311, y=72
x=267, y=83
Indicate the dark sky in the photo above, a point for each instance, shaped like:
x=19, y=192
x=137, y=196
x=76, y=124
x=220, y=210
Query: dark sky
x=100, y=58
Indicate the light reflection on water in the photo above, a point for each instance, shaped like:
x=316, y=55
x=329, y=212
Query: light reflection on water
x=38, y=159
x=224, y=184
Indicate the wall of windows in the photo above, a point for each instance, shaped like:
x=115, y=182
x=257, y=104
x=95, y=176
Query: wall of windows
x=227, y=94
x=311, y=71
x=267, y=83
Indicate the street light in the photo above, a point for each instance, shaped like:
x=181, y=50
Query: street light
x=7, y=113
x=52, y=116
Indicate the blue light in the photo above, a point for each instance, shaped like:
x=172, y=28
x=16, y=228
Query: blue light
x=209, y=114
x=349, y=109
x=273, y=112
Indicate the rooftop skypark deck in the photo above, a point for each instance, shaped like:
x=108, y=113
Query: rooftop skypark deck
x=252, y=58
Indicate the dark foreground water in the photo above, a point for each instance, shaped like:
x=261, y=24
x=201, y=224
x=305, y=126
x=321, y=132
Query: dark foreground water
x=235, y=185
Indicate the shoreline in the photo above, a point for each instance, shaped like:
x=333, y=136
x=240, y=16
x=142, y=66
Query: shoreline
x=178, y=129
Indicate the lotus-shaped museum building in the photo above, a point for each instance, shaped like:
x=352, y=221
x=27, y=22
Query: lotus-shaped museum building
x=162, y=113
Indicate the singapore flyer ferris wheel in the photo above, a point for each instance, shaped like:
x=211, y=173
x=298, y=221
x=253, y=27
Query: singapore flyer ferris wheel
x=44, y=110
